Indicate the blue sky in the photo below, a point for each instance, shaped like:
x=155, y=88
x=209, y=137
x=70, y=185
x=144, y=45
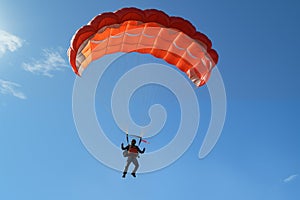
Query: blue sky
x=256, y=157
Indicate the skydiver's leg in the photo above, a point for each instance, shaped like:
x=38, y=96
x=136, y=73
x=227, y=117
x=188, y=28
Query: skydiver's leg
x=136, y=166
x=129, y=160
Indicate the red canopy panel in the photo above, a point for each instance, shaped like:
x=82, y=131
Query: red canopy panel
x=172, y=39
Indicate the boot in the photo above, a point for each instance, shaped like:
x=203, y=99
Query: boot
x=124, y=174
x=133, y=174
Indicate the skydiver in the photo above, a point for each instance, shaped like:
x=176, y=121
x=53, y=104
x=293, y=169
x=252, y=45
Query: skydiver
x=131, y=152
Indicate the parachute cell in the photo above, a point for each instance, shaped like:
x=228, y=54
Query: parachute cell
x=151, y=31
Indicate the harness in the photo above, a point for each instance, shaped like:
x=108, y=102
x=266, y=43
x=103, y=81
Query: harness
x=133, y=149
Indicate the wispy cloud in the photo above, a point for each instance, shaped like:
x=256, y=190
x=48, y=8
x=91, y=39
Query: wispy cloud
x=290, y=178
x=51, y=61
x=8, y=87
x=9, y=42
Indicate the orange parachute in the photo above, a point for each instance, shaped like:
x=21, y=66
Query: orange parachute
x=150, y=31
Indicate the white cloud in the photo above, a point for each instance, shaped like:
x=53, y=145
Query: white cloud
x=9, y=42
x=51, y=61
x=290, y=178
x=8, y=87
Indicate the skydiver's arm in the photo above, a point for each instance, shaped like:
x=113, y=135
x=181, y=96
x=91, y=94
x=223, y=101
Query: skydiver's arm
x=124, y=148
x=139, y=150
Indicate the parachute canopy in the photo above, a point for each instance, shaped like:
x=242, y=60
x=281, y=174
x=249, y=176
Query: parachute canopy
x=150, y=31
